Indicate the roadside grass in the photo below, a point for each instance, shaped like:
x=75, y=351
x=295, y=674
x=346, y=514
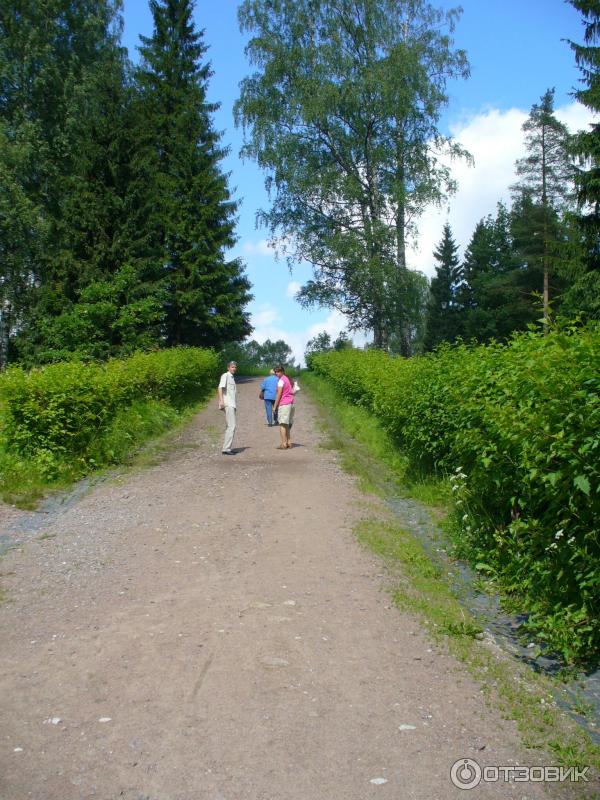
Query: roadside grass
x=421, y=587
x=138, y=436
x=370, y=448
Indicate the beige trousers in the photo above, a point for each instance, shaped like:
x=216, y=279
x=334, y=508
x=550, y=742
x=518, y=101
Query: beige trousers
x=230, y=430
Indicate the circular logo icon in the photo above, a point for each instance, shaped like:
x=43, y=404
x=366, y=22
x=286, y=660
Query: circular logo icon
x=465, y=773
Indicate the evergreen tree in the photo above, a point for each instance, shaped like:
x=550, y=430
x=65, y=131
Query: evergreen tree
x=183, y=217
x=586, y=144
x=53, y=57
x=494, y=299
x=443, y=312
x=22, y=233
x=539, y=239
x=583, y=295
x=546, y=180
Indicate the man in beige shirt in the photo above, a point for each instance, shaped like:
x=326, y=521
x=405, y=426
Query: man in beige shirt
x=227, y=403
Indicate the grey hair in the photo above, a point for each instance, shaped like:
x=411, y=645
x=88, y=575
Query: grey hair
x=232, y=364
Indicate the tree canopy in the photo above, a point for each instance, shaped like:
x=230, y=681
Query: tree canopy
x=115, y=212
x=342, y=113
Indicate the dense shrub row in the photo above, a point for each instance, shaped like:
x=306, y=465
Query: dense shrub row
x=57, y=414
x=516, y=427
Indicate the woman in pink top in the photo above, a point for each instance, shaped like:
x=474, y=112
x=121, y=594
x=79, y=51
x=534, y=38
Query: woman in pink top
x=284, y=407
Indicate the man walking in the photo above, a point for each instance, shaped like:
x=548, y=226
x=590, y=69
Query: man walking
x=268, y=392
x=227, y=402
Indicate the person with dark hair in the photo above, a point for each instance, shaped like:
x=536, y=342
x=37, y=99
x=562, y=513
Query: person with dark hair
x=283, y=407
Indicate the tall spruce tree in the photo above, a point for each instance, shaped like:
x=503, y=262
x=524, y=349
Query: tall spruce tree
x=495, y=298
x=52, y=57
x=183, y=215
x=443, y=309
x=540, y=240
x=546, y=181
x=22, y=234
x=586, y=144
x=583, y=295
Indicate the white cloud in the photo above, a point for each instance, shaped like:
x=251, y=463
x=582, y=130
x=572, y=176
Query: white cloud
x=575, y=116
x=333, y=324
x=293, y=288
x=266, y=315
x=274, y=248
x=260, y=248
x=495, y=140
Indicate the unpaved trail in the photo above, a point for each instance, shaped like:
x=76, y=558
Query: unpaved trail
x=208, y=629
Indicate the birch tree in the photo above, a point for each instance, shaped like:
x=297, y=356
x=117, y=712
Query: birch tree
x=342, y=112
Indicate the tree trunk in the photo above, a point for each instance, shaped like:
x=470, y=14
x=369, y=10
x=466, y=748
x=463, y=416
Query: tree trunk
x=546, y=264
x=4, y=335
x=403, y=331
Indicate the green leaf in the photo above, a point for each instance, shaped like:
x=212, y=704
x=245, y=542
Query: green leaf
x=582, y=482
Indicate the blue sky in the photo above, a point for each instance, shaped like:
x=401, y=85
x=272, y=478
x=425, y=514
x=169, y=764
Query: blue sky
x=516, y=52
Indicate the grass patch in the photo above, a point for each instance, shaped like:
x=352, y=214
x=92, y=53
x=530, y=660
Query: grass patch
x=519, y=694
x=135, y=436
x=368, y=451
x=421, y=587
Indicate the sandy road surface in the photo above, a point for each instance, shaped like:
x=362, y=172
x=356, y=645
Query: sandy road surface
x=208, y=629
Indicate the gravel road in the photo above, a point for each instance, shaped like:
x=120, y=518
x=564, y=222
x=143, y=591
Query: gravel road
x=207, y=628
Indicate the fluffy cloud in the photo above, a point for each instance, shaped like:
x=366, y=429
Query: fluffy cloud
x=260, y=248
x=265, y=316
x=495, y=140
x=267, y=326
x=333, y=324
x=293, y=288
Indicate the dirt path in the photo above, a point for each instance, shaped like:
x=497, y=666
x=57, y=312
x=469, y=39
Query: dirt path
x=208, y=629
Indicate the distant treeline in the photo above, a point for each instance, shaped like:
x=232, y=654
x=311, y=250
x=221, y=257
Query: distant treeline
x=115, y=214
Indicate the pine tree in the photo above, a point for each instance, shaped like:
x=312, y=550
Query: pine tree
x=183, y=216
x=477, y=264
x=443, y=313
x=546, y=180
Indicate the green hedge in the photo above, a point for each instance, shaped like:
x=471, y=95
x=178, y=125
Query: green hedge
x=58, y=412
x=517, y=428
